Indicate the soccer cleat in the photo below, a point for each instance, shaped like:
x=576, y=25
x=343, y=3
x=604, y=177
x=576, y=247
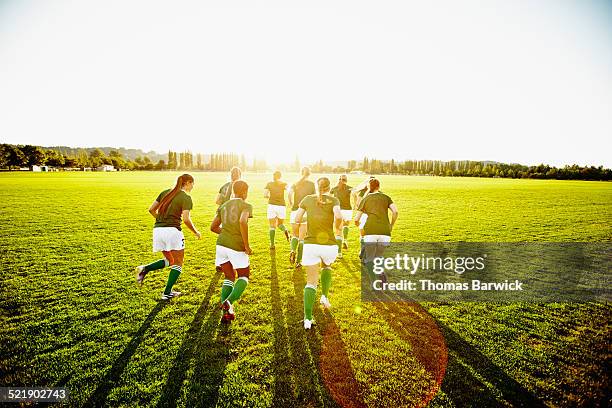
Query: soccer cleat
x=292, y=257
x=228, y=310
x=340, y=255
x=325, y=302
x=171, y=295
x=218, y=269
x=344, y=245
x=140, y=274
x=272, y=247
x=287, y=235
x=226, y=318
x=308, y=324
x=298, y=265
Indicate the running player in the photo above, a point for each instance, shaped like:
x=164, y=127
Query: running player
x=297, y=192
x=342, y=192
x=170, y=208
x=275, y=193
x=358, y=193
x=225, y=192
x=377, y=228
x=320, y=247
x=233, y=250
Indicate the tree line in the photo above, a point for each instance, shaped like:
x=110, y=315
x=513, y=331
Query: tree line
x=18, y=156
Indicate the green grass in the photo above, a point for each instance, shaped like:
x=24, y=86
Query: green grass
x=71, y=314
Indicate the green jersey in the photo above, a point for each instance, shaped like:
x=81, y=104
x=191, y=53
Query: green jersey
x=226, y=192
x=277, y=192
x=344, y=196
x=300, y=190
x=229, y=212
x=376, y=206
x=320, y=219
x=172, y=216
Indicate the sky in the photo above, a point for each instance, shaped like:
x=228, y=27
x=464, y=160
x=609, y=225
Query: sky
x=511, y=81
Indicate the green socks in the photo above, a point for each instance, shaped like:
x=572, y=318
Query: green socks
x=272, y=233
x=282, y=227
x=345, y=231
x=175, y=272
x=294, y=243
x=326, y=280
x=310, y=293
x=159, y=264
x=239, y=287
x=300, y=251
x=226, y=289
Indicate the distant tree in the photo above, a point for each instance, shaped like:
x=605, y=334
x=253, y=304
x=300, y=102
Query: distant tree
x=33, y=155
x=13, y=156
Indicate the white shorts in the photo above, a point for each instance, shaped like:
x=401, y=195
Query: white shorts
x=236, y=258
x=377, y=238
x=168, y=239
x=314, y=254
x=347, y=215
x=362, y=221
x=292, y=217
x=276, y=211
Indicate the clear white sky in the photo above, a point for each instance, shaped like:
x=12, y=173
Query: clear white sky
x=513, y=81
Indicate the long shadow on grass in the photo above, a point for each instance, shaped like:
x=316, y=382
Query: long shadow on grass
x=468, y=371
x=110, y=379
x=322, y=373
x=197, y=335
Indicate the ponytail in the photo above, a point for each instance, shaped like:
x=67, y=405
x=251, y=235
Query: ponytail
x=323, y=184
x=180, y=182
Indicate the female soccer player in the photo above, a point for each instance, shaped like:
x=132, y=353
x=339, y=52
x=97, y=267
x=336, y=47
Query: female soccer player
x=225, y=192
x=168, y=209
x=320, y=248
x=358, y=194
x=377, y=228
x=297, y=192
x=342, y=192
x=233, y=248
x=275, y=193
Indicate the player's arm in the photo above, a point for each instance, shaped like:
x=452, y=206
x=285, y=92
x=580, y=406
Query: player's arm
x=153, y=209
x=219, y=199
x=290, y=196
x=358, y=217
x=244, y=231
x=215, y=226
x=394, y=214
x=337, y=220
x=299, y=215
x=189, y=223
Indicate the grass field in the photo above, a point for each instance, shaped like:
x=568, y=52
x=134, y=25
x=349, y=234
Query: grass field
x=71, y=314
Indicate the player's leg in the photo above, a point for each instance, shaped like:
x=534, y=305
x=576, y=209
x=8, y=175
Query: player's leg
x=176, y=269
x=142, y=270
x=295, y=240
x=345, y=232
x=328, y=256
x=280, y=219
x=272, y=231
x=302, y=234
x=239, y=261
x=311, y=260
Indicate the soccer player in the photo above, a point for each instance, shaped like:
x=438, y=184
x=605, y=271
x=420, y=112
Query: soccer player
x=377, y=228
x=233, y=250
x=297, y=192
x=320, y=247
x=171, y=207
x=342, y=192
x=358, y=193
x=225, y=192
x=275, y=193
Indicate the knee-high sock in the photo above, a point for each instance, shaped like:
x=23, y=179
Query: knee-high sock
x=159, y=264
x=272, y=233
x=294, y=243
x=310, y=293
x=300, y=251
x=362, y=248
x=239, y=287
x=226, y=289
x=282, y=227
x=326, y=280
x=175, y=272
x=345, y=231
x=339, y=243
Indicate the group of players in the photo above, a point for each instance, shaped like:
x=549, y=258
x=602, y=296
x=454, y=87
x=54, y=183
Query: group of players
x=320, y=218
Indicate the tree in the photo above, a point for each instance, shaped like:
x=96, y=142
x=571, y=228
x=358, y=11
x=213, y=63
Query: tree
x=33, y=155
x=54, y=158
x=13, y=156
